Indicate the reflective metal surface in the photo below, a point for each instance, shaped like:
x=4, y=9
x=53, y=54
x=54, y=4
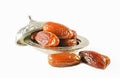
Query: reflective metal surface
x=23, y=38
x=81, y=43
x=27, y=30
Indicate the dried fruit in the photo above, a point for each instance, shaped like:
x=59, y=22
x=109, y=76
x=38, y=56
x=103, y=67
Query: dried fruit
x=95, y=59
x=60, y=30
x=68, y=42
x=63, y=59
x=47, y=39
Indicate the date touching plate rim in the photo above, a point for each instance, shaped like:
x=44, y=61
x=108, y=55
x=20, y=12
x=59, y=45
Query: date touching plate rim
x=23, y=38
x=82, y=42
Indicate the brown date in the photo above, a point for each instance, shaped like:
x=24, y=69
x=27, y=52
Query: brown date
x=60, y=30
x=63, y=59
x=67, y=42
x=47, y=39
x=95, y=59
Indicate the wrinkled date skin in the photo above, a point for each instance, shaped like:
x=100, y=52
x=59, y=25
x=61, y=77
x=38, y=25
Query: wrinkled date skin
x=95, y=59
x=47, y=39
x=69, y=42
x=67, y=37
x=63, y=59
x=60, y=30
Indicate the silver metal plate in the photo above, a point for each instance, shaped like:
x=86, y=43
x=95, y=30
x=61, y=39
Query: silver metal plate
x=23, y=38
x=81, y=43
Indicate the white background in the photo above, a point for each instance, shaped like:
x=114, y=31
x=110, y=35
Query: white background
x=97, y=20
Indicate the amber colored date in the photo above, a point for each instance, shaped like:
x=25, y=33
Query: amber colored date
x=95, y=59
x=47, y=39
x=63, y=59
x=69, y=42
x=60, y=30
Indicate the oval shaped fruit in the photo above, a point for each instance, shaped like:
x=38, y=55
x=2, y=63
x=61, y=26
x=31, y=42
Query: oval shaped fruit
x=47, y=39
x=95, y=59
x=60, y=30
x=63, y=59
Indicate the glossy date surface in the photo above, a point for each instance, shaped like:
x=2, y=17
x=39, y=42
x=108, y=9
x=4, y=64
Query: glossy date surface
x=47, y=39
x=60, y=30
x=63, y=59
x=95, y=59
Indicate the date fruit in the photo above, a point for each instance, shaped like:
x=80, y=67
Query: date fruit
x=63, y=59
x=95, y=59
x=69, y=42
x=60, y=30
x=47, y=39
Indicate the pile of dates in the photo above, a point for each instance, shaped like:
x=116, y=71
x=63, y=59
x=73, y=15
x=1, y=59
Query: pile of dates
x=55, y=34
